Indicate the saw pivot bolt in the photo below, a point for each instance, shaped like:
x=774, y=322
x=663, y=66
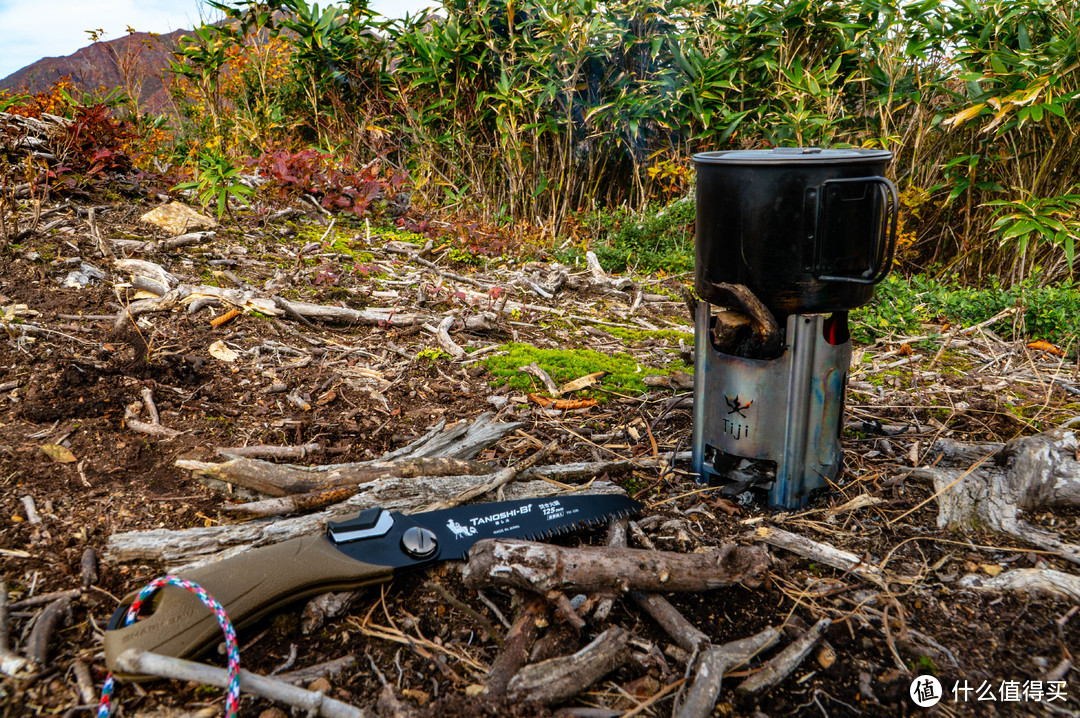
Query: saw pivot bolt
x=419, y=542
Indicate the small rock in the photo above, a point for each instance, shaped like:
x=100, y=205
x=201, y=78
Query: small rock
x=319, y=685
x=177, y=218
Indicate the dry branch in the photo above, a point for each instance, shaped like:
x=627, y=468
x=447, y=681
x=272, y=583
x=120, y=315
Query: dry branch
x=1028, y=580
x=684, y=633
x=710, y=667
x=542, y=567
x=780, y=666
x=133, y=422
x=448, y=345
x=824, y=553
x=271, y=452
x=559, y=678
x=282, y=479
x=532, y=614
x=143, y=663
x=37, y=645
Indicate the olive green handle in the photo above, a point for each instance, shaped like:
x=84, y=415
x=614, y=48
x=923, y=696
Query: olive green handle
x=248, y=586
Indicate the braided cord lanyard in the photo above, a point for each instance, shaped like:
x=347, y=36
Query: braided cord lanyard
x=232, y=697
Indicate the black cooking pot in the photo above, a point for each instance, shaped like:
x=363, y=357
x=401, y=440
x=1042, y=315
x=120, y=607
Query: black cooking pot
x=807, y=230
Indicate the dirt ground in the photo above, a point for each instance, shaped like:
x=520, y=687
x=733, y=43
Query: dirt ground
x=69, y=376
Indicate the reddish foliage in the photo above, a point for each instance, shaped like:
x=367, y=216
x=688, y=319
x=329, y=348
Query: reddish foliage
x=94, y=142
x=316, y=173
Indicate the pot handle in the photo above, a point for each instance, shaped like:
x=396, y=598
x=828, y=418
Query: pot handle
x=885, y=261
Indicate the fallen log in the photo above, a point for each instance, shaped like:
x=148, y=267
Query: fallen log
x=273, y=479
x=187, y=548
x=556, y=679
x=711, y=665
x=542, y=568
x=1024, y=475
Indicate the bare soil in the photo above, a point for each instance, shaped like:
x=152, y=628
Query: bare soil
x=70, y=386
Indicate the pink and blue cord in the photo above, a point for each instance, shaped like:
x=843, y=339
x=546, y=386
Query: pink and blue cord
x=232, y=696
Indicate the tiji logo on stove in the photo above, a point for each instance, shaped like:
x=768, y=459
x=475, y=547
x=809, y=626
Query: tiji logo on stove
x=732, y=426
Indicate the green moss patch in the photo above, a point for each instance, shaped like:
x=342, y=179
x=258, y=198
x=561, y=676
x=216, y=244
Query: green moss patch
x=625, y=373
x=639, y=335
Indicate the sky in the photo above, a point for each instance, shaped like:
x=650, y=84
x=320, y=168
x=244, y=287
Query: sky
x=33, y=29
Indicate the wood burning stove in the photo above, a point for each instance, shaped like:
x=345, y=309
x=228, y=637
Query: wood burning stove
x=795, y=237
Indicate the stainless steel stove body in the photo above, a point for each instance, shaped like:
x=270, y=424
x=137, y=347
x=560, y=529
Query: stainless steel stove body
x=771, y=425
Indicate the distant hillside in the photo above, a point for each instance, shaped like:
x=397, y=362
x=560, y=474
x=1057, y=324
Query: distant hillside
x=96, y=66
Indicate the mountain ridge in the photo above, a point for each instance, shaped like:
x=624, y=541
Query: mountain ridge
x=135, y=61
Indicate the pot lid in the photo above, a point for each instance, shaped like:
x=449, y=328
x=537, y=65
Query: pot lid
x=791, y=155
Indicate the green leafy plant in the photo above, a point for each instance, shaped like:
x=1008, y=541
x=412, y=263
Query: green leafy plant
x=1054, y=220
x=216, y=179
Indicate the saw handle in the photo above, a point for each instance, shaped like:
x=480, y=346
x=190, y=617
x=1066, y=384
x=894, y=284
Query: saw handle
x=248, y=587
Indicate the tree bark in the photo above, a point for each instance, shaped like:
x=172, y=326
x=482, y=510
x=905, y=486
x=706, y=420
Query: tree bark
x=542, y=567
x=273, y=479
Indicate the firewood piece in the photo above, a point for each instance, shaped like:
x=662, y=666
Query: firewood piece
x=164, y=245
x=88, y=568
x=532, y=615
x=542, y=567
x=443, y=337
x=1024, y=475
x=283, y=479
x=765, y=343
x=821, y=553
x=1028, y=580
x=43, y=598
x=141, y=662
x=674, y=623
x=710, y=667
x=37, y=645
x=271, y=452
x=560, y=678
x=187, y=548
x=730, y=330
x=782, y=664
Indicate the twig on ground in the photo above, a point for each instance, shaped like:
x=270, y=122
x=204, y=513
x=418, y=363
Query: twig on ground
x=142, y=663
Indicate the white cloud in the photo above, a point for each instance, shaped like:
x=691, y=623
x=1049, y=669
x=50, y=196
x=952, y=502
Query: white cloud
x=33, y=29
